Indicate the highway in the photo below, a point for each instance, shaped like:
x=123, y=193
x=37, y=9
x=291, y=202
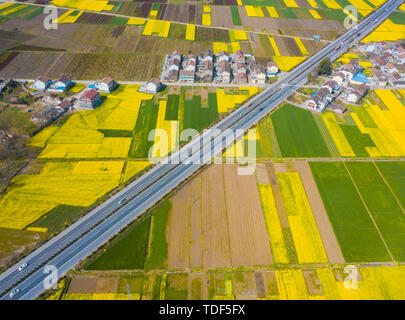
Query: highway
x=83, y=237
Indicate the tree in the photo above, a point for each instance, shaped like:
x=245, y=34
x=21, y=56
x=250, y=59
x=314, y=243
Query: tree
x=309, y=77
x=325, y=67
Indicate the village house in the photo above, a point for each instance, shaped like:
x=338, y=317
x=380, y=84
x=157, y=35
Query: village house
x=339, y=78
x=187, y=76
x=41, y=83
x=338, y=108
x=106, y=85
x=356, y=93
x=241, y=78
x=61, y=85
x=318, y=102
x=222, y=56
x=258, y=74
x=65, y=105
x=271, y=69
x=223, y=72
x=389, y=68
x=90, y=99
x=331, y=85
x=152, y=86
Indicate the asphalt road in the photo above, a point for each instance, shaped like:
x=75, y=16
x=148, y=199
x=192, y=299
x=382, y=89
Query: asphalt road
x=83, y=237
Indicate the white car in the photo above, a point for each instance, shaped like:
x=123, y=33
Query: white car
x=22, y=267
x=14, y=292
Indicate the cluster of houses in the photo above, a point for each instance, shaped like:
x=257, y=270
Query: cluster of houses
x=347, y=84
x=388, y=62
x=220, y=68
x=43, y=83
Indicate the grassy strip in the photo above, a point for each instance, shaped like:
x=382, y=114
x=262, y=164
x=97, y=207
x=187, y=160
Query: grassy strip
x=127, y=253
x=235, y=16
x=157, y=252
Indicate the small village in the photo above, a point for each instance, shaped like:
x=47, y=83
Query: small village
x=373, y=64
x=221, y=68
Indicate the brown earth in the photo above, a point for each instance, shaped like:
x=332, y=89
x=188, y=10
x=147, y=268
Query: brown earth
x=221, y=17
x=244, y=285
x=247, y=229
x=261, y=172
x=107, y=285
x=83, y=284
x=216, y=252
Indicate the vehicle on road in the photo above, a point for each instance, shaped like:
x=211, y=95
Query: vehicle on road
x=14, y=292
x=122, y=200
x=22, y=267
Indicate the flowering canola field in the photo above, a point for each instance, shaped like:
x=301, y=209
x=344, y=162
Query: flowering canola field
x=307, y=240
x=68, y=183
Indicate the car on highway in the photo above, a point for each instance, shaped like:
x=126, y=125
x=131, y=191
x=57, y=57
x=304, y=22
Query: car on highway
x=22, y=267
x=14, y=292
x=122, y=200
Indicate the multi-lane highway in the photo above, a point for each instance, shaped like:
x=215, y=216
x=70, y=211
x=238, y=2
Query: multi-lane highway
x=83, y=237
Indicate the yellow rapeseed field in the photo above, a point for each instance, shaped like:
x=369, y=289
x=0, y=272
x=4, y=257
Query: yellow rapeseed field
x=279, y=248
x=235, y=46
x=238, y=34
x=307, y=240
x=315, y=14
x=6, y=5
x=387, y=31
x=253, y=11
x=136, y=21
x=272, y=12
x=190, y=32
x=274, y=45
x=287, y=63
x=219, y=46
x=91, y=5
x=301, y=46
x=291, y=3
x=67, y=17
x=159, y=27
x=69, y=183
x=41, y=138
x=206, y=19
x=337, y=135
x=134, y=167
x=388, y=129
x=12, y=10
x=312, y=3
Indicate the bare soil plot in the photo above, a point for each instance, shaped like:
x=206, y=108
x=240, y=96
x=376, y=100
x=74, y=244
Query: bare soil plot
x=330, y=242
x=271, y=283
x=312, y=282
x=261, y=172
x=107, y=285
x=216, y=252
x=83, y=284
x=196, y=286
x=248, y=236
x=14, y=242
x=177, y=230
x=287, y=46
x=244, y=285
x=260, y=285
x=221, y=17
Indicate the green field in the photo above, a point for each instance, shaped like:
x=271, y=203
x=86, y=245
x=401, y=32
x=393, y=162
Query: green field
x=157, y=251
x=55, y=219
x=195, y=116
x=145, y=122
x=357, y=140
x=394, y=173
x=127, y=253
x=384, y=208
x=297, y=133
x=172, y=108
x=235, y=16
x=353, y=227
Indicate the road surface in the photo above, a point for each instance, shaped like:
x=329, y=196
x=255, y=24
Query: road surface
x=83, y=237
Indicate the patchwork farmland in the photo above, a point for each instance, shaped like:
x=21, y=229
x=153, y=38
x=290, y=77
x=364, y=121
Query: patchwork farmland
x=327, y=191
